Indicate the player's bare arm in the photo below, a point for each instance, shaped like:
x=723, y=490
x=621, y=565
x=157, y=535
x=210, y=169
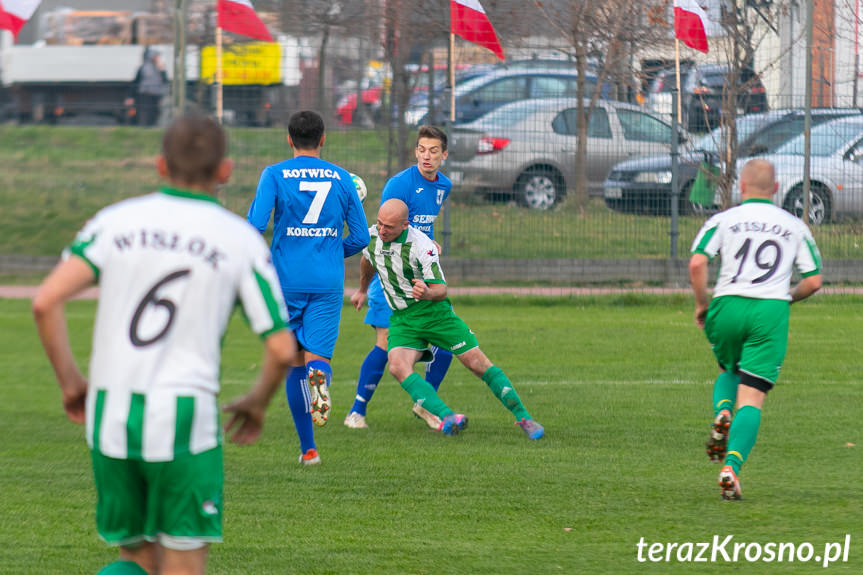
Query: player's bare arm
x=806, y=287
x=68, y=279
x=247, y=412
x=367, y=272
x=431, y=292
x=698, y=279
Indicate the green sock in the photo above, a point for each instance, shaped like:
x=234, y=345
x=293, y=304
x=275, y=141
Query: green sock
x=742, y=435
x=502, y=388
x=122, y=568
x=725, y=392
x=423, y=393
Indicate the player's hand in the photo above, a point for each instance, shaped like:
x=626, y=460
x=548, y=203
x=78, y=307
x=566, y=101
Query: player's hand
x=700, y=315
x=74, y=398
x=247, y=420
x=419, y=290
x=358, y=299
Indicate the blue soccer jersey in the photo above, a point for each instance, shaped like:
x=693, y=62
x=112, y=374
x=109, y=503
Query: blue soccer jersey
x=313, y=199
x=424, y=198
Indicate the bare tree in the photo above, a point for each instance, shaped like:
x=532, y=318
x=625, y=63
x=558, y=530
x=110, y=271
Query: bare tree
x=607, y=29
x=746, y=25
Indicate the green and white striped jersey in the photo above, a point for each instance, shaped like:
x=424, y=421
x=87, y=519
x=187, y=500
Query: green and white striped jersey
x=410, y=256
x=171, y=267
x=760, y=245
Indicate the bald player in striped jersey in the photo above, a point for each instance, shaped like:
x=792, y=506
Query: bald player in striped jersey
x=171, y=266
x=407, y=263
x=746, y=322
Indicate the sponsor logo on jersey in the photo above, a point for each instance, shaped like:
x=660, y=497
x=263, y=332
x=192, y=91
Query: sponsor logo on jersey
x=424, y=218
x=312, y=232
x=419, y=190
x=318, y=173
x=459, y=345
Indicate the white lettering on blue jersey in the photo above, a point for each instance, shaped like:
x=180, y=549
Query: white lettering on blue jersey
x=424, y=198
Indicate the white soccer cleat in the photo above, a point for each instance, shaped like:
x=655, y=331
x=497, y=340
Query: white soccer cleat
x=729, y=484
x=432, y=420
x=356, y=421
x=320, y=397
x=717, y=445
x=310, y=457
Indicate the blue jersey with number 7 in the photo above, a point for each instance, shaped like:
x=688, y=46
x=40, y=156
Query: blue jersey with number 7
x=311, y=200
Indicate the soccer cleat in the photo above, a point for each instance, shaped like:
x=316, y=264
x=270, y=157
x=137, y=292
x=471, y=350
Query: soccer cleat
x=729, y=484
x=310, y=457
x=533, y=429
x=430, y=418
x=718, y=442
x=356, y=421
x=320, y=397
x=453, y=423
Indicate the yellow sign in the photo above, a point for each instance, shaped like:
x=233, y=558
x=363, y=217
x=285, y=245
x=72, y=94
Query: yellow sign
x=256, y=63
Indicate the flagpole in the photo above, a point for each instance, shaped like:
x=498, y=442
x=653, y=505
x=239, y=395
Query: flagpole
x=677, y=78
x=452, y=78
x=219, y=74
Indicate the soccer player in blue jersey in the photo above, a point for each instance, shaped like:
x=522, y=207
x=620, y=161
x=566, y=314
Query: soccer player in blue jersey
x=313, y=200
x=424, y=189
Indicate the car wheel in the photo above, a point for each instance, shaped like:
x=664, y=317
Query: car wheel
x=540, y=188
x=819, y=203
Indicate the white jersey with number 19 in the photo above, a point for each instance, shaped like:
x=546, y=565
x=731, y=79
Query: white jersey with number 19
x=171, y=267
x=760, y=244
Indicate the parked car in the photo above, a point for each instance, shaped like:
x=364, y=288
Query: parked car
x=701, y=88
x=835, y=172
x=527, y=149
x=643, y=185
x=480, y=95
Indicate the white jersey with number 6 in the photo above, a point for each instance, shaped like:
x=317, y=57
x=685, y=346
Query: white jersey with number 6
x=171, y=267
x=760, y=245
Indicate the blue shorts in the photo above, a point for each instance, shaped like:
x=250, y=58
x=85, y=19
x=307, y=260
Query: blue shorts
x=314, y=319
x=379, y=310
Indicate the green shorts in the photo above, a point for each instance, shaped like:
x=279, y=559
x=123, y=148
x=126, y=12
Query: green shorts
x=178, y=503
x=748, y=336
x=434, y=324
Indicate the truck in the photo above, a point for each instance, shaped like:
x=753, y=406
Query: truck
x=90, y=78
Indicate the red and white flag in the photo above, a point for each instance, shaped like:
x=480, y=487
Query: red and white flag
x=238, y=16
x=468, y=20
x=690, y=24
x=15, y=13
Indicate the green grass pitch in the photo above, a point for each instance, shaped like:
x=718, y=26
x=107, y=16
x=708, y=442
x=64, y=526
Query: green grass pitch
x=621, y=384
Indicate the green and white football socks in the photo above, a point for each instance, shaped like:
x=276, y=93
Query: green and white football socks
x=725, y=392
x=502, y=388
x=122, y=568
x=742, y=436
x=424, y=394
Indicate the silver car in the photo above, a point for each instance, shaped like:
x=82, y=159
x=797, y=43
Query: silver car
x=835, y=173
x=527, y=149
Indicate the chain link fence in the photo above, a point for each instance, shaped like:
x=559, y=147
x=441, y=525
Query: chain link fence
x=560, y=160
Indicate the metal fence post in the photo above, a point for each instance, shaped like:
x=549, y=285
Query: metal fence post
x=675, y=175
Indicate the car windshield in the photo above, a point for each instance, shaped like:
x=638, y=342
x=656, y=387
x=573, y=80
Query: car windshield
x=746, y=126
x=826, y=140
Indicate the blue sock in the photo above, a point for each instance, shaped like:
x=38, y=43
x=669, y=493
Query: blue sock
x=300, y=403
x=436, y=369
x=371, y=373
